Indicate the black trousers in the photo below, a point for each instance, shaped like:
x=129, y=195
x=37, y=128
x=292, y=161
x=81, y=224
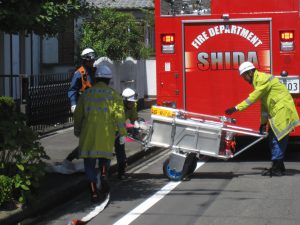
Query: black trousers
x=121, y=156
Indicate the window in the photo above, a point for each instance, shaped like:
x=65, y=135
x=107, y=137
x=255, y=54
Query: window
x=185, y=7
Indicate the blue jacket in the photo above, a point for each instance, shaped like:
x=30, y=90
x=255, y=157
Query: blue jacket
x=76, y=85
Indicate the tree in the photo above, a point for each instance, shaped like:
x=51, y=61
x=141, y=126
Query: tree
x=114, y=34
x=38, y=16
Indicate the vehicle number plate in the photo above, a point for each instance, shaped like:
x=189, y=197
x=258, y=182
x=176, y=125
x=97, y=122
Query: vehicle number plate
x=162, y=112
x=292, y=84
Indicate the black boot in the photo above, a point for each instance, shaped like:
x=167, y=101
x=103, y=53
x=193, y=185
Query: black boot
x=281, y=166
x=121, y=171
x=277, y=169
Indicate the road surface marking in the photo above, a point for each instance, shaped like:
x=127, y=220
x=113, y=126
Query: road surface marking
x=143, y=207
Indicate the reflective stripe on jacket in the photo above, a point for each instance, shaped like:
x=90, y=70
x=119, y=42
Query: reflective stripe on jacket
x=277, y=104
x=99, y=113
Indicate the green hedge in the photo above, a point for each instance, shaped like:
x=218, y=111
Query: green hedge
x=21, y=155
x=6, y=190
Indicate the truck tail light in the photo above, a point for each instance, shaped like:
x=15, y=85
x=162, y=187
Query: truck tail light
x=287, y=41
x=168, y=43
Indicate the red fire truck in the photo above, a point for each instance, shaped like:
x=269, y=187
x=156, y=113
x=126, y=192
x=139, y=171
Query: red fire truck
x=201, y=43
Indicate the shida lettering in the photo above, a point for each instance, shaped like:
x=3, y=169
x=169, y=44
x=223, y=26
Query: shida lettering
x=224, y=60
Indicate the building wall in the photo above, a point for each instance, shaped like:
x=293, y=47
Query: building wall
x=19, y=54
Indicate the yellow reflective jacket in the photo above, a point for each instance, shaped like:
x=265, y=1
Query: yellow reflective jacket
x=277, y=104
x=132, y=113
x=99, y=113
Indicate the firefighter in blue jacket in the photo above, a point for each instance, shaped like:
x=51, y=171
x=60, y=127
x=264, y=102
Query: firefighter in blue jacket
x=98, y=115
x=82, y=79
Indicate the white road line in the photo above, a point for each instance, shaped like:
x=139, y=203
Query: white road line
x=143, y=207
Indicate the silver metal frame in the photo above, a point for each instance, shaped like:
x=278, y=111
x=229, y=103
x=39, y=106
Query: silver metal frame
x=198, y=133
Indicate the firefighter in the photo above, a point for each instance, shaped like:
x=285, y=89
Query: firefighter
x=99, y=113
x=277, y=109
x=130, y=107
x=82, y=79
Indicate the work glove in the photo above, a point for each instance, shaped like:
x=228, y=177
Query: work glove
x=73, y=107
x=230, y=110
x=136, y=124
x=122, y=140
x=262, y=128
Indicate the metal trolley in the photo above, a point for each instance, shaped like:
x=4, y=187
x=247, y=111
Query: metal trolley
x=190, y=135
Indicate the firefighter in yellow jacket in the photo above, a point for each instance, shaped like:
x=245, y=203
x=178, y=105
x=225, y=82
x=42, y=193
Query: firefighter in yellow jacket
x=98, y=114
x=277, y=107
x=130, y=107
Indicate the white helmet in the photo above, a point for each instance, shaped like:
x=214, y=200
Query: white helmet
x=246, y=66
x=103, y=71
x=129, y=95
x=88, y=54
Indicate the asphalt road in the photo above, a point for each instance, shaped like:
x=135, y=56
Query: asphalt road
x=220, y=192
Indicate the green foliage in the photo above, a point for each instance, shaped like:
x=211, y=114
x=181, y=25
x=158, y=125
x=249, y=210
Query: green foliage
x=21, y=154
x=40, y=17
x=6, y=189
x=7, y=107
x=113, y=34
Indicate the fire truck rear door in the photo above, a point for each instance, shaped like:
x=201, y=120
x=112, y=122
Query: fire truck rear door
x=213, y=51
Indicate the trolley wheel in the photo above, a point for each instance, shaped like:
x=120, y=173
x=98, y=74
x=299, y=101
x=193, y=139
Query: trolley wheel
x=189, y=167
x=172, y=174
x=190, y=164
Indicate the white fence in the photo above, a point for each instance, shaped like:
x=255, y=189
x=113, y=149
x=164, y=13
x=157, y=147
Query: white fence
x=137, y=74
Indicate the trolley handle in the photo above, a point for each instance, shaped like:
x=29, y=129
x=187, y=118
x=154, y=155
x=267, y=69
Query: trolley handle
x=184, y=114
x=227, y=120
